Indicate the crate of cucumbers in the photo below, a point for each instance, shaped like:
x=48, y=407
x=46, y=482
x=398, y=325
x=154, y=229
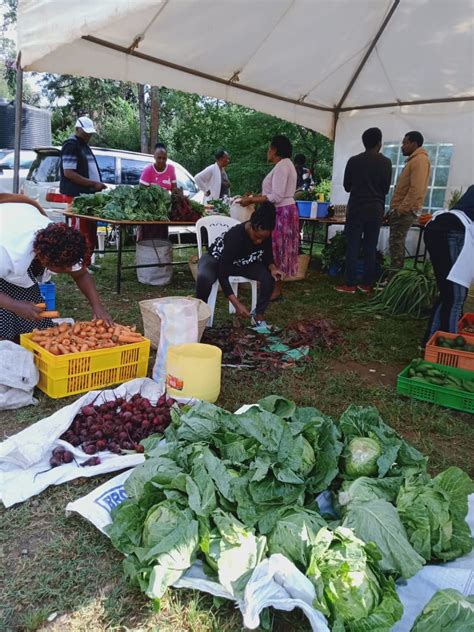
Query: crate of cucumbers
x=456, y=350
x=438, y=384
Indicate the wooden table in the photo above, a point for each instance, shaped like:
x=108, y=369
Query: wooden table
x=121, y=226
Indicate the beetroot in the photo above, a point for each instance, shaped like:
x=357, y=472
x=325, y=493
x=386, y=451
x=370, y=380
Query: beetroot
x=88, y=411
x=95, y=460
x=68, y=457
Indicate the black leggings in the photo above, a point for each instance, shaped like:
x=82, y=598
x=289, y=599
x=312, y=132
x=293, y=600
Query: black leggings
x=208, y=271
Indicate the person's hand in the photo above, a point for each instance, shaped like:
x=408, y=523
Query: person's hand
x=241, y=310
x=99, y=186
x=245, y=201
x=27, y=310
x=278, y=275
x=100, y=313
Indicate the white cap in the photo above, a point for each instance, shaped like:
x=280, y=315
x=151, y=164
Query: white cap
x=85, y=123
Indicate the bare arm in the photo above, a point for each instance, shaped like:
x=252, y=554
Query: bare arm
x=6, y=198
x=85, y=283
x=24, y=309
x=72, y=175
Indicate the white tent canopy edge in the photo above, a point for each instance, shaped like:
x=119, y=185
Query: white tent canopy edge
x=311, y=62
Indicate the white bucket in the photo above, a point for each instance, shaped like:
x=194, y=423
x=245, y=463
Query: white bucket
x=154, y=251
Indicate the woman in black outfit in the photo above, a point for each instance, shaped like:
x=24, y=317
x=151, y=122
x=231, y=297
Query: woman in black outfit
x=244, y=250
x=448, y=245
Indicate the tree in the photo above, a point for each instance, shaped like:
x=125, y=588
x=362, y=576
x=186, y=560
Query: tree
x=154, y=116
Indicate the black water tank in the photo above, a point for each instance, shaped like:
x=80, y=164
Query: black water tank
x=35, y=126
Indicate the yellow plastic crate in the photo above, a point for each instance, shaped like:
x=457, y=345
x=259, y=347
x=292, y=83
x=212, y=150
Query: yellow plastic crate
x=61, y=376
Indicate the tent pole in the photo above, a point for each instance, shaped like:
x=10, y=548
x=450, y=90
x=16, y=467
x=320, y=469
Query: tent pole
x=334, y=123
x=18, y=112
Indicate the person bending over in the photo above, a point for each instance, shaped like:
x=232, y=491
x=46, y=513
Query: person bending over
x=244, y=250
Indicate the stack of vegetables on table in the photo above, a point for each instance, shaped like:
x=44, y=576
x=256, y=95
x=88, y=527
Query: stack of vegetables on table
x=138, y=203
x=116, y=426
x=227, y=490
x=85, y=336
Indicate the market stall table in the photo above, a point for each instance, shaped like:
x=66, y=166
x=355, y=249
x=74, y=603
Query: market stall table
x=121, y=225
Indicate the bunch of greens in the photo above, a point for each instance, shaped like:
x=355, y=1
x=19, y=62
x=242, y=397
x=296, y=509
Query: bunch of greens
x=227, y=490
x=220, y=486
x=447, y=611
x=133, y=203
x=351, y=589
x=220, y=206
x=409, y=292
x=433, y=512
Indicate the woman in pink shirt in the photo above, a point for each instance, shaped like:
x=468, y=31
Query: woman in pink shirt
x=279, y=187
x=163, y=175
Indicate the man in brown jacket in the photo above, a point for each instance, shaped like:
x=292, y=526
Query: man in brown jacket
x=408, y=197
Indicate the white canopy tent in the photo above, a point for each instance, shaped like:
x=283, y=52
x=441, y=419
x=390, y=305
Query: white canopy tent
x=318, y=63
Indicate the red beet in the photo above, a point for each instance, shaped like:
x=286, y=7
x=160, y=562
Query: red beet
x=90, y=449
x=88, y=411
x=68, y=457
x=95, y=460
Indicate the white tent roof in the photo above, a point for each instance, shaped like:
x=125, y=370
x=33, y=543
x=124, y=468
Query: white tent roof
x=297, y=59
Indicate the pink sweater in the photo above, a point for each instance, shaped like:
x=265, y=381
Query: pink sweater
x=280, y=184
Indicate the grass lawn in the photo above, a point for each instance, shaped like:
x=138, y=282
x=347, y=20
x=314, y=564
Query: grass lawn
x=51, y=563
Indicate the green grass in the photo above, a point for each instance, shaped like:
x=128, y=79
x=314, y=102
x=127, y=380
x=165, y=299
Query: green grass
x=53, y=564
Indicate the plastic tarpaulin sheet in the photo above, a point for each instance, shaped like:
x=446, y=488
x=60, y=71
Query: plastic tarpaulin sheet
x=290, y=58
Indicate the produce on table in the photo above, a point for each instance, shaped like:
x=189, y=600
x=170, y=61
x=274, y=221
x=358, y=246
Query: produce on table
x=228, y=490
x=410, y=292
x=351, y=589
x=138, y=203
x=427, y=373
x=220, y=206
x=434, y=512
x=115, y=426
x=457, y=344
x=85, y=336
x=447, y=611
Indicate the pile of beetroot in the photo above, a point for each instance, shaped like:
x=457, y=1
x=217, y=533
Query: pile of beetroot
x=117, y=426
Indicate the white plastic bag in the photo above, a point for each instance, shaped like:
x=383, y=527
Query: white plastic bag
x=239, y=212
x=18, y=376
x=179, y=325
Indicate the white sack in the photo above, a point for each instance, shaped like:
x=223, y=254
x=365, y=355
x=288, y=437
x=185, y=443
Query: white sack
x=24, y=457
x=18, y=376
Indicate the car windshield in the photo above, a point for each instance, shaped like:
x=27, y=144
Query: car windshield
x=8, y=161
x=45, y=168
x=185, y=182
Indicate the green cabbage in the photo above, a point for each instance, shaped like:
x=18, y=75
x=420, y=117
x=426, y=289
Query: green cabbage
x=361, y=457
x=294, y=534
x=351, y=590
x=447, y=611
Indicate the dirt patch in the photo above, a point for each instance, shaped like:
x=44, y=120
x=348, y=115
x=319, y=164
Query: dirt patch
x=374, y=373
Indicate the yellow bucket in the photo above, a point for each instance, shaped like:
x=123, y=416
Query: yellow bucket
x=194, y=370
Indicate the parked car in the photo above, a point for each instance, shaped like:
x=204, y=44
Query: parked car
x=116, y=167
x=7, y=164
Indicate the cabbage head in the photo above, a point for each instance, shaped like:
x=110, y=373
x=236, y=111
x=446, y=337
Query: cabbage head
x=361, y=457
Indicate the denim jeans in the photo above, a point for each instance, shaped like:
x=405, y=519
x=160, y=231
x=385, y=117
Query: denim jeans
x=356, y=227
x=444, y=248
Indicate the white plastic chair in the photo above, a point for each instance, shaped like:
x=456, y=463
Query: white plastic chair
x=215, y=225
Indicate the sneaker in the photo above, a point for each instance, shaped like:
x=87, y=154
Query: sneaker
x=347, y=289
x=365, y=288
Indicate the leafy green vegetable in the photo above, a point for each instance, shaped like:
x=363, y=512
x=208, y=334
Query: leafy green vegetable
x=447, y=611
x=378, y=521
x=350, y=588
x=139, y=203
x=361, y=457
x=434, y=513
x=294, y=534
x=396, y=454
x=364, y=488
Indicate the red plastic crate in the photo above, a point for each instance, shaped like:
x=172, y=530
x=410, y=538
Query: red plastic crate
x=450, y=357
x=466, y=321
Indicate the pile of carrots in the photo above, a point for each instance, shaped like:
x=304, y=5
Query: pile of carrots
x=85, y=336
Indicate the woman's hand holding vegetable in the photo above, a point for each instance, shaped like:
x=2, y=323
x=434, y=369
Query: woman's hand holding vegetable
x=100, y=313
x=27, y=310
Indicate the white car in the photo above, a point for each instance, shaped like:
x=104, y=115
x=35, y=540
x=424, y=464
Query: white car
x=7, y=164
x=116, y=167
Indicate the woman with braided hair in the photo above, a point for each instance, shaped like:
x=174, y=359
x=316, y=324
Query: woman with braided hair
x=30, y=243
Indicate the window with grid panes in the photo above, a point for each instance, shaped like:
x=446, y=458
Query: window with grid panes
x=440, y=157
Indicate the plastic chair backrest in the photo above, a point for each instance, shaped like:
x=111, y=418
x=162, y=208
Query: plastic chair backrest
x=215, y=225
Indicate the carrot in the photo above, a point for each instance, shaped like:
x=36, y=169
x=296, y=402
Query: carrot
x=63, y=349
x=127, y=339
x=84, y=348
x=63, y=328
x=99, y=322
x=76, y=329
x=49, y=314
x=41, y=305
x=54, y=349
x=73, y=349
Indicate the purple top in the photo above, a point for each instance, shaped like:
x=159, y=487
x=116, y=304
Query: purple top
x=280, y=184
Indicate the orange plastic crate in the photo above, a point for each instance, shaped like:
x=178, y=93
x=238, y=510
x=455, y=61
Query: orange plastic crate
x=466, y=321
x=450, y=357
x=61, y=376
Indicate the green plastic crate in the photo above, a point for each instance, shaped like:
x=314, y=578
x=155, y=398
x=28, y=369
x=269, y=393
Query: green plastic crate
x=448, y=397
